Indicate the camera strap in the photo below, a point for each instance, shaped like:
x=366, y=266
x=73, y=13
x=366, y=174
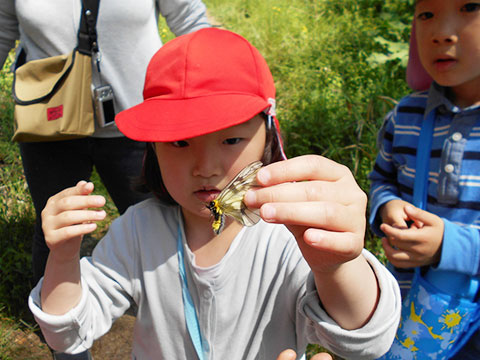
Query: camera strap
x=87, y=32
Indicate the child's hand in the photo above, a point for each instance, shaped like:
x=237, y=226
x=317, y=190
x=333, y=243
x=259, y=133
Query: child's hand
x=291, y=355
x=324, y=208
x=66, y=218
x=393, y=213
x=418, y=245
x=320, y=203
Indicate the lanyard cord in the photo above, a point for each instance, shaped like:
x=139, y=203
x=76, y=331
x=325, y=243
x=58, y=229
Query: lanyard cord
x=191, y=318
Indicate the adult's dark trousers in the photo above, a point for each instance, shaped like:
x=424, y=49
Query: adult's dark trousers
x=51, y=167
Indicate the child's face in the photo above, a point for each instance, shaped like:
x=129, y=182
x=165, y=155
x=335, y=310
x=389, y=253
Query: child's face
x=195, y=170
x=448, y=38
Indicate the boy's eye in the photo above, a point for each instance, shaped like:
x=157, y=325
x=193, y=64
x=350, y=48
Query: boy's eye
x=180, y=143
x=425, y=15
x=232, y=141
x=471, y=7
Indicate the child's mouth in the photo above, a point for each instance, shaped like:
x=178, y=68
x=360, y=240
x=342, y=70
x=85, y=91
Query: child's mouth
x=206, y=195
x=444, y=64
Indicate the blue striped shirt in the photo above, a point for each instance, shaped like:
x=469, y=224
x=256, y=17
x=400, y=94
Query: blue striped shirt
x=454, y=173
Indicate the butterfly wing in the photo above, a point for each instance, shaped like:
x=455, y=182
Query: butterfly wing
x=230, y=199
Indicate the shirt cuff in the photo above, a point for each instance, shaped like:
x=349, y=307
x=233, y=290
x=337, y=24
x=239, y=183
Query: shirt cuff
x=72, y=339
x=376, y=336
x=460, y=249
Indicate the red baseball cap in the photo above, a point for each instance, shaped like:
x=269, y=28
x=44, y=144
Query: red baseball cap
x=199, y=83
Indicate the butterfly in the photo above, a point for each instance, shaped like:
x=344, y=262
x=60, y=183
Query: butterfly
x=230, y=200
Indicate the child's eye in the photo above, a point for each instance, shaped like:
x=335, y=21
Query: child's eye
x=425, y=15
x=180, y=143
x=471, y=7
x=232, y=141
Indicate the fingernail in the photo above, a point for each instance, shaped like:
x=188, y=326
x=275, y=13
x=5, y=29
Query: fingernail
x=263, y=176
x=99, y=200
x=268, y=212
x=250, y=197
x=90, y=226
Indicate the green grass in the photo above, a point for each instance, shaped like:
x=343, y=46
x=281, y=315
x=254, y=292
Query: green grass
x=337, y=66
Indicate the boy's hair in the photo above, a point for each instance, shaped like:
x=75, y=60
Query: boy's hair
x=151, y=178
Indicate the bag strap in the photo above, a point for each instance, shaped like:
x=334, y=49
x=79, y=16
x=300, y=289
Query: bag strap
x=420, y=186
x=420, y=198
x=87, y=32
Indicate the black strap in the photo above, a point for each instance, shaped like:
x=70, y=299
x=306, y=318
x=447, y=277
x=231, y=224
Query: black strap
x=87, y=33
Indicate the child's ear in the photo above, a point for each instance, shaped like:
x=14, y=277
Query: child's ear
x=417, y=77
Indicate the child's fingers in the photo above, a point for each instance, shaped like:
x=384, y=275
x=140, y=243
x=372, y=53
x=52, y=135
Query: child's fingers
x=82, y=188
x=57, y=226
x=287, y=355
x=307, y=167
x=68, y=218
x=72, y=201
x=397, y=257
x=330, y=216
x=321, y=356
x=58, y=237
x=304, y=191
x=397, y=233
x=419, y=216
x=347, y=245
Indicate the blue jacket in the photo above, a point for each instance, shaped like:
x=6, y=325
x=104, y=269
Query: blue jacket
x=454, y=177
x=454, y=174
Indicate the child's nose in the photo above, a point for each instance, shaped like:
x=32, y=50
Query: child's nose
x=206, y=164
x=445, y=33
x=445, y=39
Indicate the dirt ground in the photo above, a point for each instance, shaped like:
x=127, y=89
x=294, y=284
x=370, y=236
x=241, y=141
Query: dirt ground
x=115, y=345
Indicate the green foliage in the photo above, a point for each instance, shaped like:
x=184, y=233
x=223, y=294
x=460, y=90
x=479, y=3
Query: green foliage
x=16, y=211
x=337, y=65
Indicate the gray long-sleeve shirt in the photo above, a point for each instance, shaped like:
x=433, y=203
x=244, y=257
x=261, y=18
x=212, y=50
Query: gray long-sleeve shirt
x=127, y=36
x=261, y=302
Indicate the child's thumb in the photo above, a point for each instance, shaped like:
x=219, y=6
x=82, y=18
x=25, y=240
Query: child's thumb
x=417, y=215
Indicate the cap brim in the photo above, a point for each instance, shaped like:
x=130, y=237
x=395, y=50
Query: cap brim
x=162, y=120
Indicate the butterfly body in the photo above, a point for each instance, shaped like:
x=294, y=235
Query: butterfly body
x=230, y=200
x=218, y=216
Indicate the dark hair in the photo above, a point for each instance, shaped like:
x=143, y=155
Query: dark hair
x=151, y=178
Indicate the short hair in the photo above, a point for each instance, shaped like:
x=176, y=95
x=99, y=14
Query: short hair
x=151, y=177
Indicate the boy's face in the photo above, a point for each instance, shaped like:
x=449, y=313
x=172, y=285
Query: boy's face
x=195, y=170
x=448, y=38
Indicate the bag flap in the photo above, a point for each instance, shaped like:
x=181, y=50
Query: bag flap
x=37, y=79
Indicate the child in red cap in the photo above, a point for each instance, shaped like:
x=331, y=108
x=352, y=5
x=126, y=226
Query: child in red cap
x=299, y=276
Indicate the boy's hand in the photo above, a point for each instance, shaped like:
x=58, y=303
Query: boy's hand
x=393, y=213
x=66, y=218
x=418, y=245
x=320, y=203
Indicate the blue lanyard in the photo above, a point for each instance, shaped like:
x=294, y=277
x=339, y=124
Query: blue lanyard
x=191, y=318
